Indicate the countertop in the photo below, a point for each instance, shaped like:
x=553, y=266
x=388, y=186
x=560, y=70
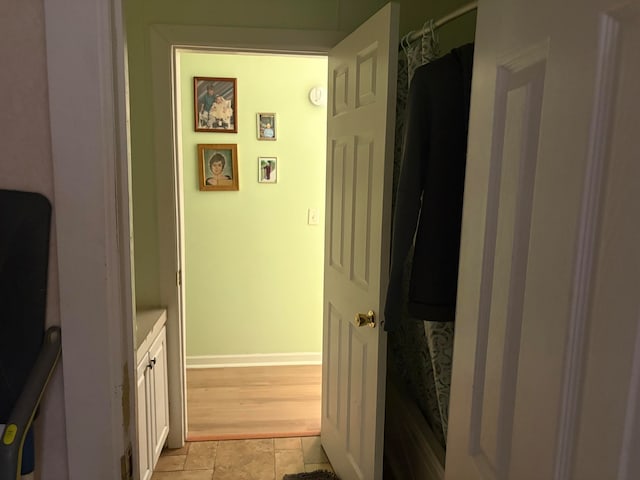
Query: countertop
x=149, y=322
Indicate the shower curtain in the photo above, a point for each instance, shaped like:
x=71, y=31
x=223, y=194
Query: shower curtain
x=420, y=353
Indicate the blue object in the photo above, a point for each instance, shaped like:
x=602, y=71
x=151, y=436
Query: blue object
x=28, y=454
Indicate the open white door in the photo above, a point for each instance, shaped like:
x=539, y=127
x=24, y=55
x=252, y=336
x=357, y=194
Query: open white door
x=546, y=371
x=361, y=121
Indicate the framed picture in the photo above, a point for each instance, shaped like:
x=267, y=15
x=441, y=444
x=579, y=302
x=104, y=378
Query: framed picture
x=215, y=104
x=266, y=126
x=218, y=166
x=267, y=169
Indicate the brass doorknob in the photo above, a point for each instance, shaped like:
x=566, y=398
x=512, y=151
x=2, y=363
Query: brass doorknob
x=365, y=319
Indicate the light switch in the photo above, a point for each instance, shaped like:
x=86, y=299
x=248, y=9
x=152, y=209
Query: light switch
x=313, y=217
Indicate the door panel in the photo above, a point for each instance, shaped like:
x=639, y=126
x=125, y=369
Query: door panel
x=546, y=359
x=512, y=170
x=612, y=386
x=359, y=169
x=158, y=354
x=145, y=464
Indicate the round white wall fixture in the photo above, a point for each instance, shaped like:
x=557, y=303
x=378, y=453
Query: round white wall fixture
x=318, y=96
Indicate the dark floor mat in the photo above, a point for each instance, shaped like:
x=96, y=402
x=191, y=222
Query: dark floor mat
x=317, y=475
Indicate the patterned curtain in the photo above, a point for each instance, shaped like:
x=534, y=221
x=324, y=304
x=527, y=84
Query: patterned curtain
x=420, y=353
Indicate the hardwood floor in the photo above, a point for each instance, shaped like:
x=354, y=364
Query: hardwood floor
x=253, y=402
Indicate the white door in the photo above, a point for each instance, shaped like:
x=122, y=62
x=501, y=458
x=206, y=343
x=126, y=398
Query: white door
x=546, y=371
x=361, y=119
x=145, y=461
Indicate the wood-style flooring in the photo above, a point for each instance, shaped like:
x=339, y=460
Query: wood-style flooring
x=253, y=402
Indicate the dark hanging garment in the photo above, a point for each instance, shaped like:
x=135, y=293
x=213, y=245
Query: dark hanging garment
x=429, y=199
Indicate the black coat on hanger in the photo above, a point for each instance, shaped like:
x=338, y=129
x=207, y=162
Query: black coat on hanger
x=430, y=190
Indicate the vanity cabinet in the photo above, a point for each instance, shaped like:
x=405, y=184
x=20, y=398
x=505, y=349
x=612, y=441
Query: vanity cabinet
x=152, y=394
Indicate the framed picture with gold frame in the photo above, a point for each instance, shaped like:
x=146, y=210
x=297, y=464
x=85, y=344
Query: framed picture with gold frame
x=218, y=167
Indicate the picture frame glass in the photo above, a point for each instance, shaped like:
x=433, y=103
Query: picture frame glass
x=266, y=126
x=215, y=104
x=267, y=169
x=218, y=167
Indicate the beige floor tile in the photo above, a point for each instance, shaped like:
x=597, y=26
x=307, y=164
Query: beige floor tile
x=201, y=456
x=265, y=459
x=288, y=461
x=192, y=475
x=288, y=443
x=245, y=460
x=232, y=451
x=175, y=451
x=244, y=473
x=170, y=463
x=313, y=452
x=225, y=473
x=312, y=467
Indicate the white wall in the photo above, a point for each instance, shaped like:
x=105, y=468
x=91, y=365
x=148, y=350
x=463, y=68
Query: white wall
x=25, y=164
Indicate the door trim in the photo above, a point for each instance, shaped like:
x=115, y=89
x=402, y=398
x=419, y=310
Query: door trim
x=92, y=225
x=167, y=41
x=574, y=363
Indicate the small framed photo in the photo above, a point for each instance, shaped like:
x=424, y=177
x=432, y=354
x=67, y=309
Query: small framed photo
x=215, y=104
x=266, y=126
x=218, y=166
x=267, y=169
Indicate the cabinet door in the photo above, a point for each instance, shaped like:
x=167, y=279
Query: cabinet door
x=144, y=453
x=159, y=395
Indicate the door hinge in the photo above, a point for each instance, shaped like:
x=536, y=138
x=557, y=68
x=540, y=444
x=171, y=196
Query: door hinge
x=179, y=278
x=126, y=465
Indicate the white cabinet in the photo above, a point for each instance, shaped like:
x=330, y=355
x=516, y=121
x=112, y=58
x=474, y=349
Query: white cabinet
x=152, y=397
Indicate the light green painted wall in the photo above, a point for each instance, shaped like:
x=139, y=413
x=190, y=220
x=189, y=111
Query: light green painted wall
x=337, y=15
x=143, y=172
x=254, y=267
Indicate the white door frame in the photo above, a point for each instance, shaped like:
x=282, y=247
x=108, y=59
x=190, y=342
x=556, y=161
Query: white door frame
x=92, y=224
x=166, y=42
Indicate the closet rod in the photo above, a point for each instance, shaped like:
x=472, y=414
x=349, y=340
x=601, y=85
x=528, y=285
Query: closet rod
x=413, y=36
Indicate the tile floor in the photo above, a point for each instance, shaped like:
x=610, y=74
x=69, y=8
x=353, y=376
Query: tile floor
x=267, y=459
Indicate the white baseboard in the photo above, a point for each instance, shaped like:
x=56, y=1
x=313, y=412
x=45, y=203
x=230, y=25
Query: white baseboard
x=254, y=360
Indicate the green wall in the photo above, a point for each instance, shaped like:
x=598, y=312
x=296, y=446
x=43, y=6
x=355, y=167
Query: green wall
x=254, y=267
x=337, y=15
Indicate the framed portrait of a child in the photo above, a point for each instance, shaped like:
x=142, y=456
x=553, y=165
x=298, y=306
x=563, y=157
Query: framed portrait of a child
x=215, y=104
x=218, y=167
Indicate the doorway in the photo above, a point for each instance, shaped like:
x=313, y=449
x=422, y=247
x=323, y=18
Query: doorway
x=164, y=42
x=252, y=257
